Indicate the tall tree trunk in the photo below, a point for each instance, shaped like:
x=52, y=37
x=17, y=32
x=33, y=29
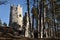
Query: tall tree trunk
x=43, y=17
x=32, y=26
x=38, y=21
x=54, y=5
x=28, y=8
x=53, y=16
x=40, y=24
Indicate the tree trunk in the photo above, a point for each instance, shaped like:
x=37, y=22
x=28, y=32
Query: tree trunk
x=28, y=8
x=32, y=26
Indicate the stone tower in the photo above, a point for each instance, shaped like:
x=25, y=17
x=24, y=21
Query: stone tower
x=20, y=17
x=16, y=17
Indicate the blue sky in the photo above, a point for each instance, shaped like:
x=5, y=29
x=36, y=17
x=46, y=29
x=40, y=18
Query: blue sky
x=5, y=9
